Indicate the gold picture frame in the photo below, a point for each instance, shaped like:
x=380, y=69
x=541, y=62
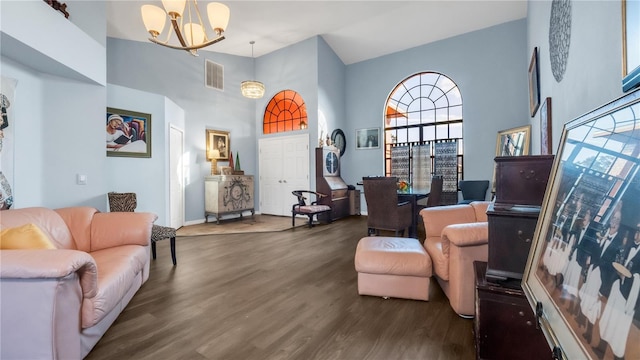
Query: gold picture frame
x=580, y=262
x=514, y=141
x=218, y=145
x=511, y=142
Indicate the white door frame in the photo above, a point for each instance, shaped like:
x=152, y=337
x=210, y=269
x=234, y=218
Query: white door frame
x=176, y=177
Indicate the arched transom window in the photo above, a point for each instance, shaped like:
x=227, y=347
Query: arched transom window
x=423, y=132
x=285, y=112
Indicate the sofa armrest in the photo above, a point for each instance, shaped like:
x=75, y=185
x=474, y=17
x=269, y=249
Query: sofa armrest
x=467, y=234
x=42, y=295
x=436, y=218
x=51, y=264
x=121, y=228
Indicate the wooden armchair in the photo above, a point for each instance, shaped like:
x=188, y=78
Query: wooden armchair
x=302, y=208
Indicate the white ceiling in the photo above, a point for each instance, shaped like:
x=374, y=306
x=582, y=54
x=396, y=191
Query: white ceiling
x=355, y=30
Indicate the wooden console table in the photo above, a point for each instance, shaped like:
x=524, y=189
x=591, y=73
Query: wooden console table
x=228, y=194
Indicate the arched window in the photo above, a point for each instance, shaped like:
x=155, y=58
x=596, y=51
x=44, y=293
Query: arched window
x=423, y=132
x=285, y=112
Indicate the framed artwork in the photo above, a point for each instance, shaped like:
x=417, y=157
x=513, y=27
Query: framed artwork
x=511, y=142
x=368, y=138
x=582, y=276
x=630, y=44
x=545, y=128
x=514, y=141
x=534, y=83
x=218, y=146
x=128, y=133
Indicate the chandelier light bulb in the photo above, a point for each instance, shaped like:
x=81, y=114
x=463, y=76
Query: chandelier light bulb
x=193, y=35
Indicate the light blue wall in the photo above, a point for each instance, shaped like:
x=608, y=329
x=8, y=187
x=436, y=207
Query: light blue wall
x=147, y=177
x=180, y=77
x=331, y=92
x=331, y=86
x=490, y=68
x=59, y=104
x=593, y=75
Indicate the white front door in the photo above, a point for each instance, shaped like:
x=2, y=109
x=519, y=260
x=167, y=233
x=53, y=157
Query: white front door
x=284, y=167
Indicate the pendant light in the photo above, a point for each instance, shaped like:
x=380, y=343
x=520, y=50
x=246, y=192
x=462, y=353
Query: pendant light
x=251, y=88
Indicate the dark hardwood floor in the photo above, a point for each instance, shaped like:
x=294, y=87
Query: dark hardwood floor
x=279, y=295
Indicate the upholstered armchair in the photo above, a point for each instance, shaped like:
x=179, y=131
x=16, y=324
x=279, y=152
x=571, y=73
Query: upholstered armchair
x=383, y=210
x=473, y=190
x=456, y=236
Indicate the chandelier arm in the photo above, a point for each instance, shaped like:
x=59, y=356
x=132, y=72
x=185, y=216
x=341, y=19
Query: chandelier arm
x=176, y=29
x=199, y=20
x=195, y=47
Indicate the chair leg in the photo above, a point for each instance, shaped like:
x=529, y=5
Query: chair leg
x=173, y=250
x=310, y=220
x=153, y=249
x=293, y=220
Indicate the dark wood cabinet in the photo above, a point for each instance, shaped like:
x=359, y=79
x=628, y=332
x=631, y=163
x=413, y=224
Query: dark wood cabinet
x=329, y=182
x=511, y=231
x=505, y=324
x=522, y=180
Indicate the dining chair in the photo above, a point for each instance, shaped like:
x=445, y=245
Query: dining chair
x=383, y=210
x=127, y=202
x=473, y=190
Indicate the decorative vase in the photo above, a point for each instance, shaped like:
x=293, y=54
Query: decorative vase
x=237, y=167
x=231, y=160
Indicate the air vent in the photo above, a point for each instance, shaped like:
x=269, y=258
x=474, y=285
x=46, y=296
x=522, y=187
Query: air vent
x=213, y=75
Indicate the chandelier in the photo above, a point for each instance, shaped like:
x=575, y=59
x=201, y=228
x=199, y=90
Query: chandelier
x=193, y=35
x=252, y=89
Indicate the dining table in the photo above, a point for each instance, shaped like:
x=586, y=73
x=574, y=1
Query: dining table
x=412, y=196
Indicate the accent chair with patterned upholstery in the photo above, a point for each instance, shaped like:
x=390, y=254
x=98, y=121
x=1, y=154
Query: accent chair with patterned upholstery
x=127, y=202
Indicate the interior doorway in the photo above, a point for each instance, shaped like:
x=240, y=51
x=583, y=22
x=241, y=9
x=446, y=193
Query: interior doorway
x=283, y=167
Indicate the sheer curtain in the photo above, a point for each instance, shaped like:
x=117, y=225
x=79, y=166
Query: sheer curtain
x=400, y=163
x=421, y=168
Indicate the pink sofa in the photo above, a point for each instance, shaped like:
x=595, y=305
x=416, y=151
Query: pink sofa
x=57, y=304
x=456, y=236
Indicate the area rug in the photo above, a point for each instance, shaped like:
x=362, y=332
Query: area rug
x=246, y=224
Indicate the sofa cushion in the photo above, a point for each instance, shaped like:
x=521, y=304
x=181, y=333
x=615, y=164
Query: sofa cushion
x=28, y=236
x=117, y=270
x=78, y=220
x=480, y=208
x=392, y=255
x=46, y=219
